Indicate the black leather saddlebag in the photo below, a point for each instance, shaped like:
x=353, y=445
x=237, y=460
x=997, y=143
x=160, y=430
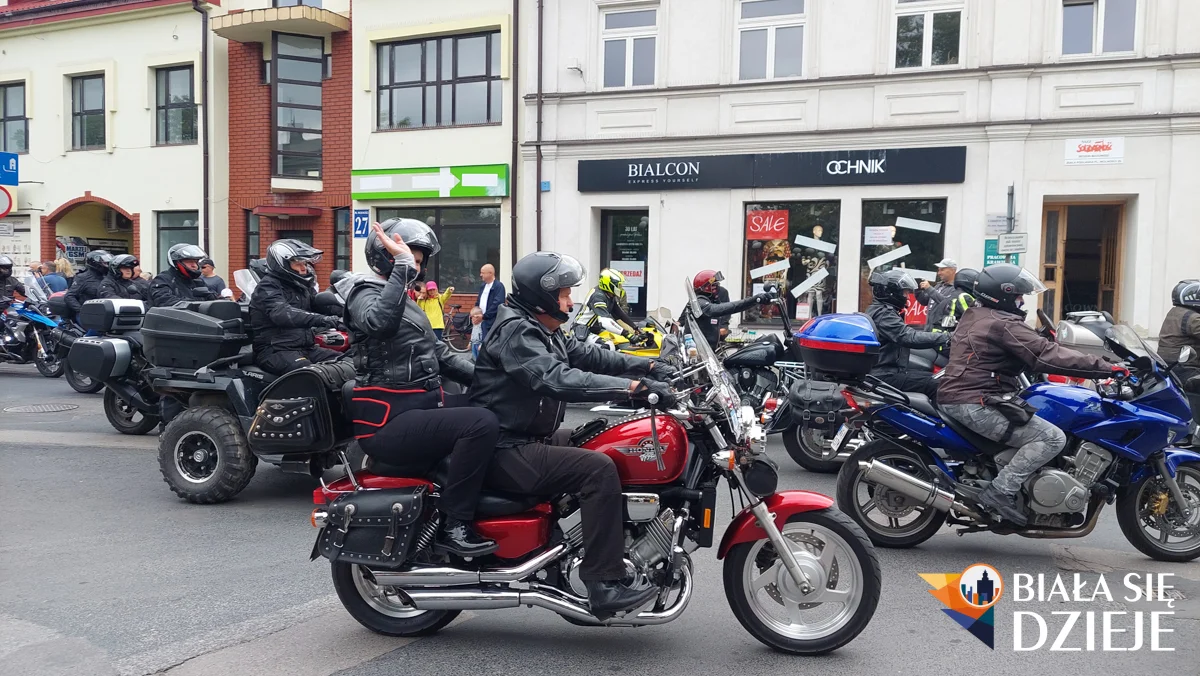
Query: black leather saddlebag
x=375, y=528
x=301, y=411
x=815, y=403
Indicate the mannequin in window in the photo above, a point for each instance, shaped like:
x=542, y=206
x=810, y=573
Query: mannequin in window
x=813, y=261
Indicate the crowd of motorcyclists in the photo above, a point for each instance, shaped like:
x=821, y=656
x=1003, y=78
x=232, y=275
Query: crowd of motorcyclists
x=505, y=434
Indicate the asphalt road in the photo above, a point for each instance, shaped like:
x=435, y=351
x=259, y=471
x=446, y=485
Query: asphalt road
x=104, y=571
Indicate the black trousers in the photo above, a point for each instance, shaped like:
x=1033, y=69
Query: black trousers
x=552, y=469
x=910, y=381
x=280, y=362
x=416, y=441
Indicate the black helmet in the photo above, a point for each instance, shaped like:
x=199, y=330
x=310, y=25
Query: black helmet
x=122, y=261
x=537, y=279
x=6, y=266
x=282, y=252
x=98, y=260
x=892, y=286
x=964, y=280
x=337, y=276
x=179, y=253
x=414, y=233
x=1002, y=286
x=1186, y=293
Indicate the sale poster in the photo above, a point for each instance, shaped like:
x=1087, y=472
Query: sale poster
x=764, y=225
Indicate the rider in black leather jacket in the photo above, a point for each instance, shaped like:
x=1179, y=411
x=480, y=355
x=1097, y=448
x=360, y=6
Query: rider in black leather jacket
x=87, y=283
x=526, y=368
x=282, y=315
x=182, y=281
x=891, y=289
x=401, y=415
x=713, y=314
x=115, y=284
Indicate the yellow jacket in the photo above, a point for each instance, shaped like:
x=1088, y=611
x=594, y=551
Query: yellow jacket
x=435, y=309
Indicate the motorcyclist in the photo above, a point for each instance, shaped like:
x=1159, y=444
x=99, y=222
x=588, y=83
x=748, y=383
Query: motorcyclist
x=87, y=283
x=281, y=310
x=401, y=415
x=118, y=283
x=950, y=306
x=604, y=310
x=1180, y=328
x=892, y=290
x=527, y=368
x=8, y=282
x=182, y=281
x=707, y=284
x=992, y=346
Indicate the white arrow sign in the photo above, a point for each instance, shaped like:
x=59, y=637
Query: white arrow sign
x=442, y=182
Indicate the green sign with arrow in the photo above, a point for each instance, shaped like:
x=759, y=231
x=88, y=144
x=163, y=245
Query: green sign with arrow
x=479, y=180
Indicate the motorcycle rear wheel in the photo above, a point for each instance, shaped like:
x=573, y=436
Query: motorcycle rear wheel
x=885, y=502
x=380, y=611
x=1136, y=513
x=203, y=456
x=824, y=539
x=801, y=442
x=79, y=382
x=125, y=418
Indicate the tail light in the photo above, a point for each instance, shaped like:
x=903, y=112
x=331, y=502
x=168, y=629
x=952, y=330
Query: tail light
x=318, y=518
x=771, y=405
x=859, y=405
x=832, y=346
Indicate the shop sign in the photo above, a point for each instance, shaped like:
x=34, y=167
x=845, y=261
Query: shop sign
x=992, y=255
x=1095, y=150
x=893, y=166
x=770, y=224
x=634, y=272
x=479, y=180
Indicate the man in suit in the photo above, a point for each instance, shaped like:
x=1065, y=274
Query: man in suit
x=491, y=296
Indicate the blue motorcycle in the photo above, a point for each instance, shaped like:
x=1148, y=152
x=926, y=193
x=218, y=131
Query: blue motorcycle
x=26, y=337
x=923, y=469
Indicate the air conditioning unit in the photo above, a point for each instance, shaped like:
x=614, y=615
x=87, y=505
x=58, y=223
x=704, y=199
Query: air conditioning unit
x=116, y=223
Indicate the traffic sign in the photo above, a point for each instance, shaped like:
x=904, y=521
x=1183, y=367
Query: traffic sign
x=482, y=180
x=1011, y=243
x=8, y=169
x=362, y=223
x=6, y=202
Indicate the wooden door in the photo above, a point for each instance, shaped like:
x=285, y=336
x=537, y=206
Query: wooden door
x=1054, y=251
x=1110, y=261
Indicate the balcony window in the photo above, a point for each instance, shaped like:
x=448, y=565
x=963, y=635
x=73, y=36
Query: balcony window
x=299, y=68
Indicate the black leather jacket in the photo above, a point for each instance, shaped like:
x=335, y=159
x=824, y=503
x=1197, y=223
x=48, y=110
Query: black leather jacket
x=715, y=315
x=391, y=341
x=897, y=337
x=281, y=315
x=111, y=287
x=9, y=284
x=525, y=374
x=170, y=287
x=85, y=287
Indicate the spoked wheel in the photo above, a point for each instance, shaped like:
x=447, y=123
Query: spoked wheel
x=811, y=448
x=81, y=383
x=384, y=610
x=125, y=417
x=457, y=341
x=204, y=457
x=838, y=561
x=889, y=518
x=1152, y=520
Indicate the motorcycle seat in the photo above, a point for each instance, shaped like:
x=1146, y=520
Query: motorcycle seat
x=491, y=503
x=921, y=403
x=975, y=439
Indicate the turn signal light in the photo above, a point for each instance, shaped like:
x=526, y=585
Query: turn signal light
x=319, y=518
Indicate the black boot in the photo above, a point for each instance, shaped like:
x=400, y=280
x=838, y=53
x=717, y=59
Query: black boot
x=607, y=597
x=459, y=537
x=1003, y=505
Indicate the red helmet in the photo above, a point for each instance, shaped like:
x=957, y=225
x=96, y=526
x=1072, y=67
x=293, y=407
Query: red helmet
x=706, y=281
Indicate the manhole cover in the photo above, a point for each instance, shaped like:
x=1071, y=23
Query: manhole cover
x=41, y=408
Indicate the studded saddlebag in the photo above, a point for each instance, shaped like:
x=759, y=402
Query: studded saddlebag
x=375, y=528
x=816, y=404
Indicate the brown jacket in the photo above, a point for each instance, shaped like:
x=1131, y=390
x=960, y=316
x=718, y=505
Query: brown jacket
x=991, y=348
x=1180, y=327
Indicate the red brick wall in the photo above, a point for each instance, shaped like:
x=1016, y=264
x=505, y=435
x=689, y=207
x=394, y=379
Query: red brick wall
x=251, y=154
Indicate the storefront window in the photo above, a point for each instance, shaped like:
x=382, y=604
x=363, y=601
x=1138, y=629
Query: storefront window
x=901, y=233
x=797, y=244
x=470, y=237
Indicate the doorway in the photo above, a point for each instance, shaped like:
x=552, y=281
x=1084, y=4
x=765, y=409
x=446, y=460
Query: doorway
x=1081, y=257
x=625, y=246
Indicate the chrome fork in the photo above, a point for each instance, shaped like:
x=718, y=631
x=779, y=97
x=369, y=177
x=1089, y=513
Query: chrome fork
x=766, y=520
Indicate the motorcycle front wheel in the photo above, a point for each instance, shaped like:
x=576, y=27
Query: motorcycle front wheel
x=839, y=562
x=382, y=609
x=1152, y=521
x=51, y=366
x=81, y=383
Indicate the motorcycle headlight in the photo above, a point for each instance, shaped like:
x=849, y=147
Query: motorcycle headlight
x=760, y=478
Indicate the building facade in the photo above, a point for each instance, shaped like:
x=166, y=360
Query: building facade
x=110, y=142
x=433, y=111
x=805, y=142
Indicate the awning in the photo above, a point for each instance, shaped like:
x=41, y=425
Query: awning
x=285, y=212
x=258, y=24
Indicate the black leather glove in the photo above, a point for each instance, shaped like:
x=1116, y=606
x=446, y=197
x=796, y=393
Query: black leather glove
x=663, y=371
x=647, y=387
x=331, y=322
x=763, y=298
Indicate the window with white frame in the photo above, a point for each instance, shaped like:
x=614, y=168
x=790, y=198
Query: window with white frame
x=770, y=39
x=628, y=40
x=928, y=33
x=1092, y=27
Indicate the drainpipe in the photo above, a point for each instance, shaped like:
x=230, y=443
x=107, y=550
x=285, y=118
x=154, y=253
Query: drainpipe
x=205, y=219
x=516, y=128
x=538, y=179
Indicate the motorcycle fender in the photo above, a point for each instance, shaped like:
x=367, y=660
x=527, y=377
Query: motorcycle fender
x=745, y=528
x=1174, y=457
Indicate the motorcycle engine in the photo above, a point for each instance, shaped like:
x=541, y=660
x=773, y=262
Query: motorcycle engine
x=755, y=384
x=650, y=548
x=1054, y=491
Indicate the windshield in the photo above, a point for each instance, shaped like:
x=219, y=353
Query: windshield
x=245, y=281
x=1126, y=337
x=723, y=392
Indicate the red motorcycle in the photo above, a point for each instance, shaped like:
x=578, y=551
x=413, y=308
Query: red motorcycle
x=799, y=575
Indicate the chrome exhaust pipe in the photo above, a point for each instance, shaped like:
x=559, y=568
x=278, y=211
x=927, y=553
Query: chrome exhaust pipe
x=548, y=598
x=911, y=487
x=448, y=577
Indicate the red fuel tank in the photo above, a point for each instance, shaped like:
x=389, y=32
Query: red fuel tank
x=630, y=444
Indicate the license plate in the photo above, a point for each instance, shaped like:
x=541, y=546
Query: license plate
x=840, y=437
